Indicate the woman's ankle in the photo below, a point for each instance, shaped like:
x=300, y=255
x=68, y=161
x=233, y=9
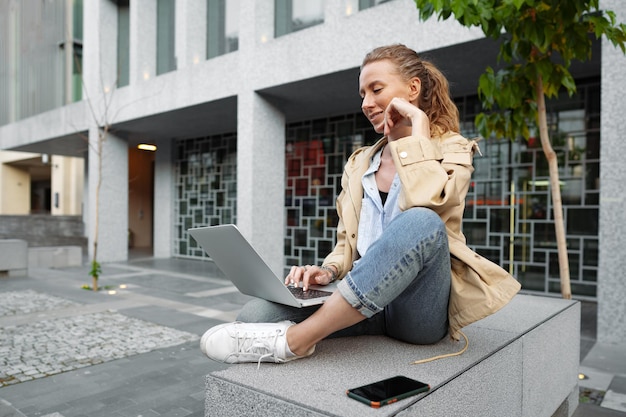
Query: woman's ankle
x=294, y=345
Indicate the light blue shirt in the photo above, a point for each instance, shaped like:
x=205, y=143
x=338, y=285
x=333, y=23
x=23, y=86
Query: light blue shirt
x=374, y=217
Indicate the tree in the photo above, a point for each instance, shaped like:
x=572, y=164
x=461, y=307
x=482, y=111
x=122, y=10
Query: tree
x=103, y=123
x=101, y=108
x=540, y=39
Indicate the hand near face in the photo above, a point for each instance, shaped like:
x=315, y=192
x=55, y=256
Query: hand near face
x=400, y=114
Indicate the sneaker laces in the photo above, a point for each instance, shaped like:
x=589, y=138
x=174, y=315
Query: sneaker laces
x=261, y=344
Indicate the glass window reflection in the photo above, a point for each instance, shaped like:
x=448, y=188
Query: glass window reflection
x=294, y=15
x=222, y=27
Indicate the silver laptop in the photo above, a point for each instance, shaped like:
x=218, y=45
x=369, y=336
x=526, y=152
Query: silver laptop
x=238, y=260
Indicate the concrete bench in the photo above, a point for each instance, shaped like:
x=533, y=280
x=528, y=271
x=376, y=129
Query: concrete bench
x=55, y=256
x=13, y=257
x=521, y=361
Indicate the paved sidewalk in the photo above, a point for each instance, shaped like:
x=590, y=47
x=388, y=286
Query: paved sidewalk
x=65, y=351
x=132, y=348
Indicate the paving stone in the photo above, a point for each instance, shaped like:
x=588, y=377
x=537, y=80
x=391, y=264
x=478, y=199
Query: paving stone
x=28, y=301
x=60, y=345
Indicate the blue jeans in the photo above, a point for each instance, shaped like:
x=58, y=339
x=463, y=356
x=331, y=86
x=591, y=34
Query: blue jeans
x=401, y=285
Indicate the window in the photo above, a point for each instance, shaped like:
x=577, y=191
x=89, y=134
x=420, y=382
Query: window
x=123, y=43
x=351, y=5
x=293, y=15
x=366, y=4
x=166, y=36
x=222, y=27
x=77, y=64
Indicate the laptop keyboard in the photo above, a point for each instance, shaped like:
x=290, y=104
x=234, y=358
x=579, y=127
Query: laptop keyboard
x=299, y=293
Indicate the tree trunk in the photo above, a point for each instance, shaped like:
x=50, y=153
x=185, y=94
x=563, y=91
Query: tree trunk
x=101, y=137
x=555, y=187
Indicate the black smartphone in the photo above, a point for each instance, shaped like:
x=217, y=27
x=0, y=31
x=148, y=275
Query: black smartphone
x=387, y=391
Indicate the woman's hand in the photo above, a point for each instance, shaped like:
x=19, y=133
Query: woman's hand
x=401, y=114
x=308, y=275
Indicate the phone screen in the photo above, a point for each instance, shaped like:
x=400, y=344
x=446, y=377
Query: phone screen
x=387, y=391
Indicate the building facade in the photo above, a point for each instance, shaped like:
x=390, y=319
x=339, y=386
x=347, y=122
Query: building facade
x=253, y=108
x=34, y=79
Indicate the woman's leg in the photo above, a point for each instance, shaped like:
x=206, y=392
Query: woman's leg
x=419, y=315
x=258, y=310
x=405, y=275
x=411, y=256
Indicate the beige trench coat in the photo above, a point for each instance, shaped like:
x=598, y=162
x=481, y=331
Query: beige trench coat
x=434, y=173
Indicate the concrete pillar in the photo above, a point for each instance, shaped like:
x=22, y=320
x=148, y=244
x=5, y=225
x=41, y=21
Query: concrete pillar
x=611, y=288
x=108, y=196
x=163, y=199
x=108, y=164
x=261, y=176
x=335, y=12
x=99, y=52
x=143, y=16
x=191, y=30
x=260, y=146
x=12, y=52
x=256, y=25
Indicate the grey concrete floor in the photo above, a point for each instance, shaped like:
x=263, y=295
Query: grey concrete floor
x=177, y=300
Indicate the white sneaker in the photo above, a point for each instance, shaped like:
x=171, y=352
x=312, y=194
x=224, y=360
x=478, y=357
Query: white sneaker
x=249, y=342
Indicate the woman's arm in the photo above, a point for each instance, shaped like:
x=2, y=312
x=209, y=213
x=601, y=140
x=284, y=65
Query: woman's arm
x=433, y=175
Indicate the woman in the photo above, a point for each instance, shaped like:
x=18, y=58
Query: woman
x=401, y=256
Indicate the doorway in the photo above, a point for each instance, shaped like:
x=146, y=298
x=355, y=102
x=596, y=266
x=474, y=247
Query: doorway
x=140, y=202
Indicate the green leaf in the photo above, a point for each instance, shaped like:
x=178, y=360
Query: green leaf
x=480, y=121
x=569, y=83
x=544, y=67
x=535, y=31
x=96, y=269
x=486, y=87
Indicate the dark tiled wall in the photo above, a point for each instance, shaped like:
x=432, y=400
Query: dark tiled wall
x=315, y=154
x=509, y=182
x=206, y=188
